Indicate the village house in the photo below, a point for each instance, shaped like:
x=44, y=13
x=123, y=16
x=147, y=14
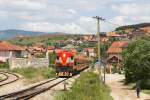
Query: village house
x=135, y=33
x=74, y=51
x=8, y=50
x=87, y=37
x=36, y=51
x=51, y=49
x=94, y=39
x=146, y=29
x=115, y=53
x=89, y=52
x=116, y=35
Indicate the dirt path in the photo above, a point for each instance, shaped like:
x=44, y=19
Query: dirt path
x=120, y=91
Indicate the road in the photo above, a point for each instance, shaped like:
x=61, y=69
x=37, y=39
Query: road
x=120, y=91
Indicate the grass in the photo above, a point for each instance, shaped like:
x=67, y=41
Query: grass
x=35, y=74
x=46, y=40
x=132, y=86
x=86, y=87
x=4, y=66
x=146, y=91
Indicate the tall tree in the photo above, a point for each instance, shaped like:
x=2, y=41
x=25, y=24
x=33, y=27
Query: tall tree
x=137, y=61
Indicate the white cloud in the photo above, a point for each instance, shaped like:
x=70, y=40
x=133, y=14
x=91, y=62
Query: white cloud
x=70, y=15
x=141, y=18
x=132, y=9
x=53, y=27
x=72, y=11
x=23, y=4
x=120, y=20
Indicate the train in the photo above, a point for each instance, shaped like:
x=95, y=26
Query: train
x=67, y=63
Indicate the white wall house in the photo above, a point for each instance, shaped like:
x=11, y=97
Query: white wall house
x=8, y=50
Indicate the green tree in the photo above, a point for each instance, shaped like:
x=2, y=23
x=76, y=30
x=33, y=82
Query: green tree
x=137, y=61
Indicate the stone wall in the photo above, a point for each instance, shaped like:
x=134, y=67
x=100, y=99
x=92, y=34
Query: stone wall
x=28, y=62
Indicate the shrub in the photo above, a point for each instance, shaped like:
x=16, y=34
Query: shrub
x=35, y=74
x=4, y=65
x=87, y=87
x=137, y=61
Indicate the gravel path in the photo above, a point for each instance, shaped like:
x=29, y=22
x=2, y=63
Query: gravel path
x=120, y=91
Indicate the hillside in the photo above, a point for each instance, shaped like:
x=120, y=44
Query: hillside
x=12, y=33
x=141, y=25
x=46, y=39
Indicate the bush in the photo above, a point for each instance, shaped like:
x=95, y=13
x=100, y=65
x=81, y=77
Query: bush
x=35, y=74
x=52, y=58
x=4, y=65
x=137, y=61
x=87, y=87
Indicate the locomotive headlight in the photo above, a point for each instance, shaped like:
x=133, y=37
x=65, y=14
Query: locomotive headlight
x=64, y=55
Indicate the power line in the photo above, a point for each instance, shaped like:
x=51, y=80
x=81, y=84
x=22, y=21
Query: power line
x=112, y=23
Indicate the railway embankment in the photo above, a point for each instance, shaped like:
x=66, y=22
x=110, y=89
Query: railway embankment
x=86, y=87
x=32, y=75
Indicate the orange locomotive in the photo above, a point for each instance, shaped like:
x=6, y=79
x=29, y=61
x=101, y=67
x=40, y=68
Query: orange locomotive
x=67, y=63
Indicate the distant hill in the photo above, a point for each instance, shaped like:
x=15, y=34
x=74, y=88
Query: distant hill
x=141, y=25
x=12, y=33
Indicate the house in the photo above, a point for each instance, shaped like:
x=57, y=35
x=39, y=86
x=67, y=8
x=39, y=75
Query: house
x=103, y=38
x=146, y=29
x=87, y=37
x=74, y=51
x=51, y=49
x=89, y=52
x=135, y=33
x=36, y=51
x=116, y=35
x=8, y=50
x=115, y=53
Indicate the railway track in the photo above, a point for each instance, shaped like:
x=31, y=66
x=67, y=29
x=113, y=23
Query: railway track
x=10, y=78
x=33, y=91
x=3, y=79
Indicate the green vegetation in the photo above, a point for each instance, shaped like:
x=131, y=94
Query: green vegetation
x=146, y=91
x=35, y=74
x=133, y=26
x=46, y=40
x=86, y=87
x=103, y=47
x=4, y=66
x=0, y=78
x=137, y=62
x=52, y=58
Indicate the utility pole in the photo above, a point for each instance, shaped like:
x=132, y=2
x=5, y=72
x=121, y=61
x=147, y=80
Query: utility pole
x=98, y=35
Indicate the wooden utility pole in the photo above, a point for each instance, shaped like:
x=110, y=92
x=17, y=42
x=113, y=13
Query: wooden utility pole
x=98, y=40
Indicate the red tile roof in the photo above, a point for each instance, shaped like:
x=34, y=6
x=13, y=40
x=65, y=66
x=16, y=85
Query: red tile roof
x=112, y=34
x=116, y=47
x=50, y=47
x=5, y=46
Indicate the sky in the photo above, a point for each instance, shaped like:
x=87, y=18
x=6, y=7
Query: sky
x=71, y=16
